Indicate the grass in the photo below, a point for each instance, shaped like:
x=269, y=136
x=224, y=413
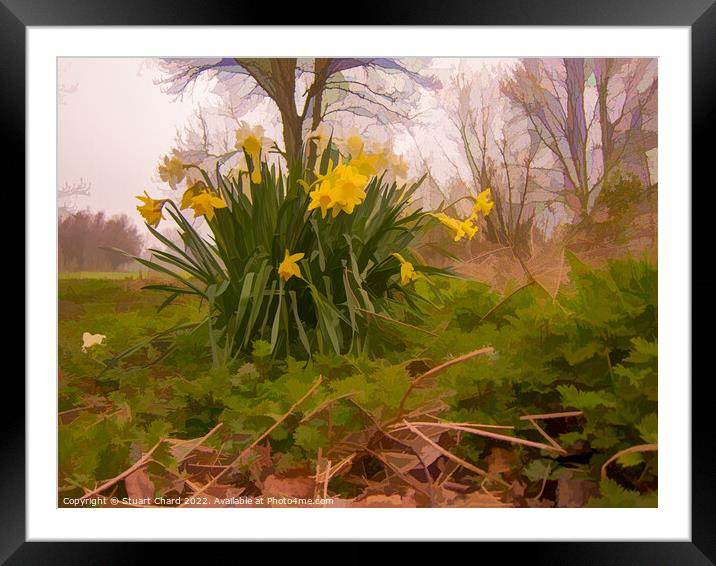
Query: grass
x=110, y=275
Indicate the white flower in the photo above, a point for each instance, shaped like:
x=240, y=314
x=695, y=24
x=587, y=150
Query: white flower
x=252, y=140
x=89, y=340
x=320, y=137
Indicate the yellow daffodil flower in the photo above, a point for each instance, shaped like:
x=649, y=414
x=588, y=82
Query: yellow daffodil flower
x=205, y=203
x=171, y=171
x=364, y=164
x=483, y=204
x=194, y=190
x=151, y=210
x=452, y=223
x=252, y=141
x=347, y=189
x=90, y=340
x=388, y=161
x=407, y=271
x=289, y=266
x=322, y=197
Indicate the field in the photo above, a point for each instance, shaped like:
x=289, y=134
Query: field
x=106, y=275
x=516, y=396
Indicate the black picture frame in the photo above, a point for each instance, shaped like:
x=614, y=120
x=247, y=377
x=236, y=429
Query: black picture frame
x=698, y=15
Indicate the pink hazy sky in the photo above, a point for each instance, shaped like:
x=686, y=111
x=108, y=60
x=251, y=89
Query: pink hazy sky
x=115, y=124
x=113, y=129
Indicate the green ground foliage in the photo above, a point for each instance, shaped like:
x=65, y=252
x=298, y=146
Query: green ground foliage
x=591, y=349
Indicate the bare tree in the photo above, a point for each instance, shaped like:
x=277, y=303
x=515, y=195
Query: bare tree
x=593, y=115
x=627, y=95
x=304, y=91
x=68, y=193
x=500, y=149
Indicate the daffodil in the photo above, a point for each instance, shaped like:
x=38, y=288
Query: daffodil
x=452, y=223
x=91, y=340
x=347, y=189
x=205, y=203
x=171, y=171
x=320, y=137
x=322, y=197
x=364, y=164
x=252, y=141
x=151, y=210
x=407, y=271
x=352, y=143
x=192, y=191
x=399, y=167
x=289, y=266
x=483, y=204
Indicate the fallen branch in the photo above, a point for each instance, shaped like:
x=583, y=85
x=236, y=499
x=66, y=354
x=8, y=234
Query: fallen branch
x=450, y=456
x=547, y=437
x=139, y=464
x=268, y=431
x=323, y=406
x=472, y=425
x=496, y=436
x=407, y=478
x=325, y=481
x=639, y=448
x=439, y=369
x=551, y=416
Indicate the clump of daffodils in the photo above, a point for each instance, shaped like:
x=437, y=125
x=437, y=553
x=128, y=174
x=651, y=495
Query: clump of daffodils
x=276, y=255
x=341, y=189
x=469, y=226
x=382, y=156
x=198, y=195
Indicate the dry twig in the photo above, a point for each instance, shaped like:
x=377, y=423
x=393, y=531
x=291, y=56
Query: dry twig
x=268, y=431
x=140, y=463
x=439, y=369
x=631, y=450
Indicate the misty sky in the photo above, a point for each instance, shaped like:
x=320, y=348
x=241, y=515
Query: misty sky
x=115, y=125
x=113, y=129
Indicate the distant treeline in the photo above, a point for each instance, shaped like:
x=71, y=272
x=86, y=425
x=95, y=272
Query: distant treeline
x=82, y=237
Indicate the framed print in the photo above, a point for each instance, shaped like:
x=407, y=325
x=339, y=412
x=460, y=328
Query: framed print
x=403, y=285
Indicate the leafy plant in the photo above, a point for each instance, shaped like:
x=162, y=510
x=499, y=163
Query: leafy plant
x=278, y=267
x=591, y=353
